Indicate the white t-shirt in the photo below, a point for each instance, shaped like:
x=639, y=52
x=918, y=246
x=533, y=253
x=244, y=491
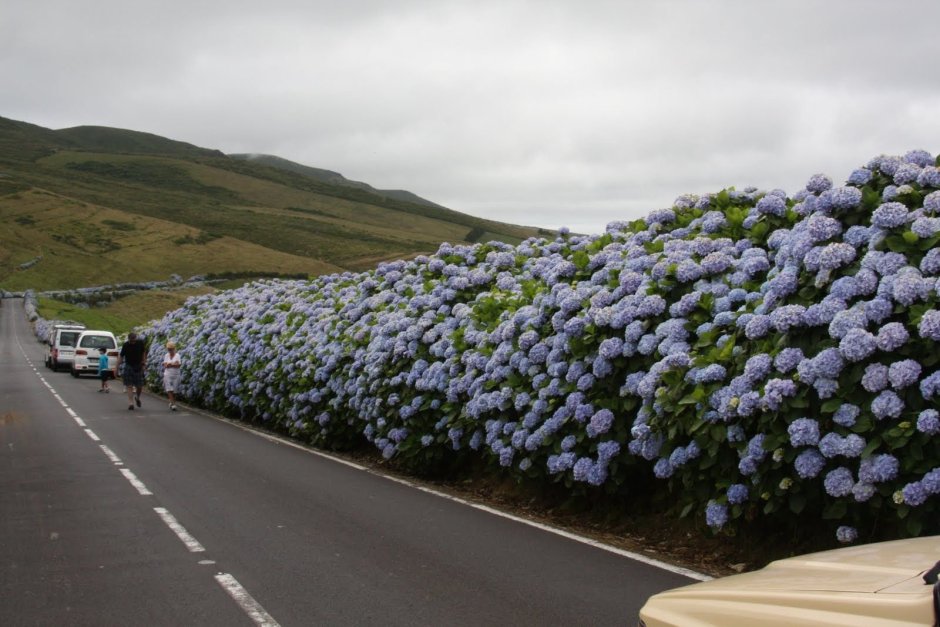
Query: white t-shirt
x=171, y=361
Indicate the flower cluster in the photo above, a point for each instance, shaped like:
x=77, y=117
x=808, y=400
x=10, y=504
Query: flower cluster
x=756, y=354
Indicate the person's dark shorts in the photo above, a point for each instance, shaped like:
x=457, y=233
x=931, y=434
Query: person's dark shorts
x=105, y=375
x=133, y=377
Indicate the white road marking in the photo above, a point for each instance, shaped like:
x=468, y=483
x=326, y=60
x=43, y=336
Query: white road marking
x=638, y=557
x=278, y=440
x=92, y=435
x=191, y=543
x=137, y=483
x=559, y=532
x=245, y=601
x=114, y=458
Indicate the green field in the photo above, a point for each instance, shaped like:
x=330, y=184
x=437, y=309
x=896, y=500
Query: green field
x=122, y=314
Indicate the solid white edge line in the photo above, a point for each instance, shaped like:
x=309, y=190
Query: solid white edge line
x=638, y=557
x=191, y=543
x=278, y=440
x=92, y=435
x=137, y=483
x=245, y=601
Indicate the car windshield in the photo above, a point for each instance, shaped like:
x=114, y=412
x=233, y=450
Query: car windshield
x=67, y=338
x=97, y=341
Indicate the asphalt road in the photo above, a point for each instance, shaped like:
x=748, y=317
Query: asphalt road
x=149, y=517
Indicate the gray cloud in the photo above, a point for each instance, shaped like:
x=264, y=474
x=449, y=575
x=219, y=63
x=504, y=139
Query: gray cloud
x=549, y=113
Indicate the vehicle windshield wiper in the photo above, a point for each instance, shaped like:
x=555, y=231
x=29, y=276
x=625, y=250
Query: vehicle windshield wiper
x=930, y=577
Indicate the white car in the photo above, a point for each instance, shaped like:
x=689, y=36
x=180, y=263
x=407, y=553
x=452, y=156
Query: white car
x=87, y=352
x=885, y=583
x=62, y=346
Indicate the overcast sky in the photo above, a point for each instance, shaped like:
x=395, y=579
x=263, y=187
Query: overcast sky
x=548, y=113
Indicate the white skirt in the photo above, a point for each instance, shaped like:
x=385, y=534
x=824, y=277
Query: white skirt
x=171, y=379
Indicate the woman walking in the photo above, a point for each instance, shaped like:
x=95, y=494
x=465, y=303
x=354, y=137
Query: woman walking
x=171, y=373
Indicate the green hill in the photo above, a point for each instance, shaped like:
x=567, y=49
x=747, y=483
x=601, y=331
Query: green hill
x=92, y=205
x=334, y=178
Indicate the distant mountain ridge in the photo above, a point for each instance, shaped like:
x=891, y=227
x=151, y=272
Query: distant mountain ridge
x=328, y=176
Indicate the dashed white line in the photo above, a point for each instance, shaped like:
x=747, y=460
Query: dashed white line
x=245, y=601
x=137, y=483
x=114, y=458
x=91, y=434
x=191, y=543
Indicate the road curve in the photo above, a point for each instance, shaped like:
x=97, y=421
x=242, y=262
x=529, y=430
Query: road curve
x=117, y=517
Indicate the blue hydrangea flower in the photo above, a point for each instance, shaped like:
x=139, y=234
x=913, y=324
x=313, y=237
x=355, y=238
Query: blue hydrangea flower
x=839, y=482
x=860, y=176
x=929, y=422
x=914, y=494
x=887, y=405
x=857, y=344
x=828, y=363
x=878, y=469
x=846, y=415
x=663, y=469
x=932, y=203
x=757, y=327
x=904, y=373
x=737, y=493
x=788, y=359
x=804, y=432
x=875, y=378
x=818, y=183
x=825, y=387
x=930, y=264
x=711, y=374
x=926, y=227
x=890, y=215
x=846, y=534
x=776, y=390
x=863, y=492
x=930, y=386
x=892, y=336
x=772, y=205
x=929, y=327
x=716, y=515
x=601, y=422
x=809, y=463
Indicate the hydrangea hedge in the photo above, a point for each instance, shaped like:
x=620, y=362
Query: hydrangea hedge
x=750, y=354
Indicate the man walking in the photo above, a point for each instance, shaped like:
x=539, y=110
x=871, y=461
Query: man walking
x=133, y=356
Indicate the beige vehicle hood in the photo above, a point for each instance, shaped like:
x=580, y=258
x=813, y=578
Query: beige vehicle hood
x=877, y=584
x=881, y=567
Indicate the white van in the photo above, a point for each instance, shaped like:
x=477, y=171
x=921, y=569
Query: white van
x=62, y=346
x=86, y=352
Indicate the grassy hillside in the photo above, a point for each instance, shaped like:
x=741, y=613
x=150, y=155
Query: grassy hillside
x=328, y=176
x=71, y=243
x=93, y=205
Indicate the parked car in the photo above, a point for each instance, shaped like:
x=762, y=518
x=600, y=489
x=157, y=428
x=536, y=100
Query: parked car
x=886, y=583
x=62, y=345
x=87, y=353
